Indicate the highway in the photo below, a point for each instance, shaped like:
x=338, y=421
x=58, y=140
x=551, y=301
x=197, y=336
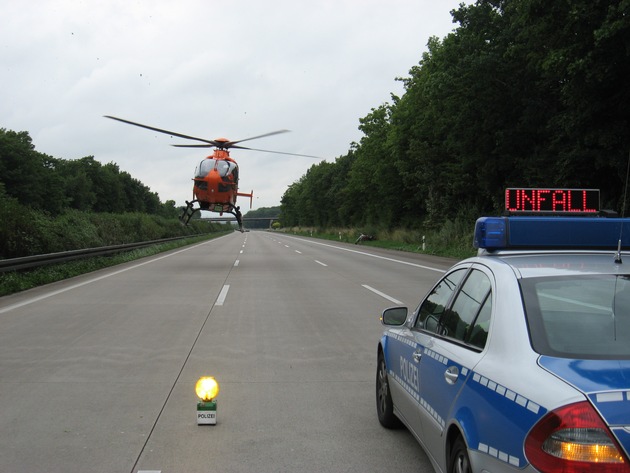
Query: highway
x=97, y=373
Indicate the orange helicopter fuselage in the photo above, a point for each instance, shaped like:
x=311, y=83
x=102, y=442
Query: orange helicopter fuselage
x=216, y=183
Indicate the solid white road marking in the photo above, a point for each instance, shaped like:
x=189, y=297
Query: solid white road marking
x=389, y=298
x=90, y=281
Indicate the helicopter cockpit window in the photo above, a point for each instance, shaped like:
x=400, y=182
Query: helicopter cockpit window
x=222, y=168
x=225, y=167
x=204, y=167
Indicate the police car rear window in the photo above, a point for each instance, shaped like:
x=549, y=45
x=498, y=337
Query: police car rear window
x=582, y=317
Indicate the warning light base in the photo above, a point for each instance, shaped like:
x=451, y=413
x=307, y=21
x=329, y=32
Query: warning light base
x=207, y=412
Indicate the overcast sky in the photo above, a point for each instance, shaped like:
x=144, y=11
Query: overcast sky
x=207, y=68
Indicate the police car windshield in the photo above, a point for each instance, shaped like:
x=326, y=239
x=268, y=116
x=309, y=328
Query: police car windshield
x=579, y=316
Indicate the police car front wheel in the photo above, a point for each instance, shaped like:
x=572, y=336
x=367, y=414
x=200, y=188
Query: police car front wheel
x=384, y=403
x=459, y=461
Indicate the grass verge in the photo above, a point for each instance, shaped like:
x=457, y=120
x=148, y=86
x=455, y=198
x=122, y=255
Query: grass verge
x=450, y=241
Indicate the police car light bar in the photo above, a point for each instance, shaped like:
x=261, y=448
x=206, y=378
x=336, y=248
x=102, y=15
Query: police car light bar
x=495, y=233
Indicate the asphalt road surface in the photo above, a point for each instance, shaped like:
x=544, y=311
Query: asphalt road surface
x=97, y=373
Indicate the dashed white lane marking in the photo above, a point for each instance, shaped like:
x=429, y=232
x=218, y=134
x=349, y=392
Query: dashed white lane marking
x=222, y=295
x=319, y=262
x=389, y=298
x=236, y=263
x=370, y=255
x=298, y=252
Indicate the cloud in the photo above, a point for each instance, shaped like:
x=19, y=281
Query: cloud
x=221, y=68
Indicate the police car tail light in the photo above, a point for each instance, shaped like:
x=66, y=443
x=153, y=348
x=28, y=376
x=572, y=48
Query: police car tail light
x=574, y=439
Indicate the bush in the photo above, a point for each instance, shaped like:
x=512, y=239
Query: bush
x=26, y=232
x=19, y=235
x=453, y=238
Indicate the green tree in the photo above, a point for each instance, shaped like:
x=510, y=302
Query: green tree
x=28, y=175
x=79, y=187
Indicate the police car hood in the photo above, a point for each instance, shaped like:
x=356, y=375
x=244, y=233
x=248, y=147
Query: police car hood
x=605, y=382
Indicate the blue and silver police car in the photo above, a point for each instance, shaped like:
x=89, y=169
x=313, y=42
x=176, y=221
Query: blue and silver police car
x=518, y=359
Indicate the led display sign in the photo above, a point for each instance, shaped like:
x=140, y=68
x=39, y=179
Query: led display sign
x=563, y=201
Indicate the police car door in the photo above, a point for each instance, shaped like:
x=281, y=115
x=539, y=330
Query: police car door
x=452, y=341
x=404, y=354
x=403, y=374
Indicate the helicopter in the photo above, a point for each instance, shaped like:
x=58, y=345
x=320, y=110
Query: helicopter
x=215, y=185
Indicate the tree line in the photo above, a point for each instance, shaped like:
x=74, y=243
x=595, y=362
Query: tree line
x=522, y=93
x=53, y=185
x=49, y=205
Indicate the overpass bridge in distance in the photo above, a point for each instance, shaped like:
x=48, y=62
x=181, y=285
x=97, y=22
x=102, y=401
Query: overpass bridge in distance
x=245, y=220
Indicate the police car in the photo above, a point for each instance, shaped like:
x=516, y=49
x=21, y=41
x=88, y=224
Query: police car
x=518, y=359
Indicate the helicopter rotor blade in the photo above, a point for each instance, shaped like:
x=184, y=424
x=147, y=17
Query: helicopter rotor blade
x=230, y=144
x=251, y=149
x=166, y=132
x=195, y=146
x=213, y=143
x=278, y=152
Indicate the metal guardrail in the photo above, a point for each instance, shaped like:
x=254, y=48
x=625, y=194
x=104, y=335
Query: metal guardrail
x=25, y=262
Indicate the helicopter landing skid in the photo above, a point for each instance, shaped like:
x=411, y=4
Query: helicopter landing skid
x=189, y=211
x=239, y=218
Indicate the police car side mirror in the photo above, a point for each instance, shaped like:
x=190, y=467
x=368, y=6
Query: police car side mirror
x=394, y=316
